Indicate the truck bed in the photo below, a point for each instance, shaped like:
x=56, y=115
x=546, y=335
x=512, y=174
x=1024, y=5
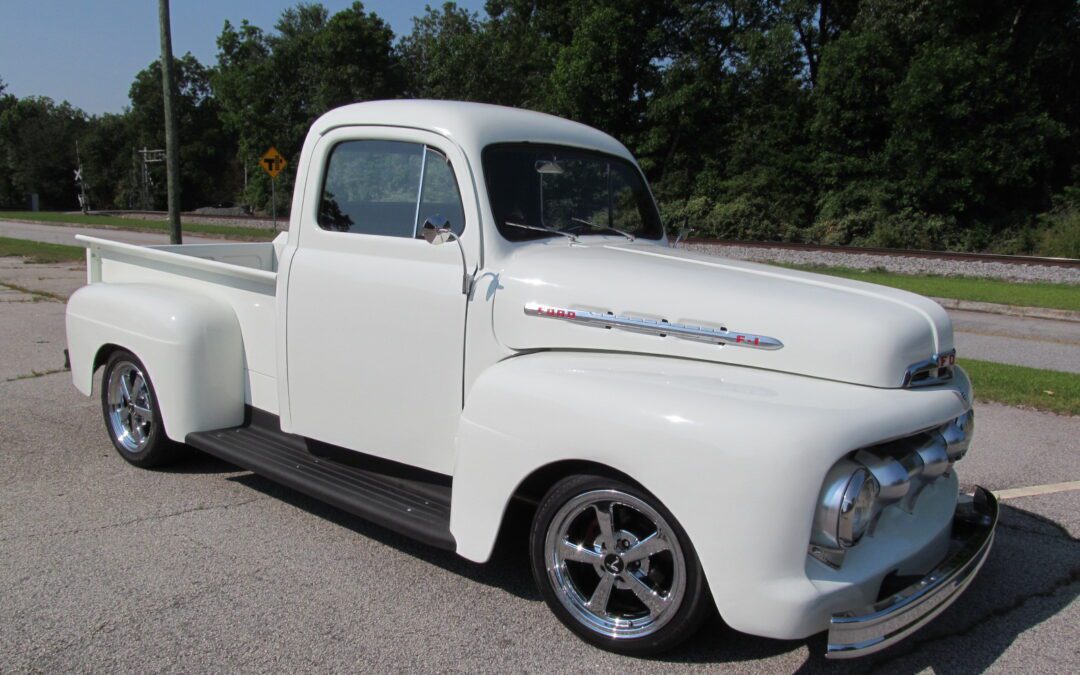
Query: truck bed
x=242, y=275
x=227, y=258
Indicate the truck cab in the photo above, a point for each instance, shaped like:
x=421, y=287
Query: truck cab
x=475, y=304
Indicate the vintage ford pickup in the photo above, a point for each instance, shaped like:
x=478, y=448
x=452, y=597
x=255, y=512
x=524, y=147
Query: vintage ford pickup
x=476, y=304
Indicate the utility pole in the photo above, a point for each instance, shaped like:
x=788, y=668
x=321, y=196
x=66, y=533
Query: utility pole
x=172, y=152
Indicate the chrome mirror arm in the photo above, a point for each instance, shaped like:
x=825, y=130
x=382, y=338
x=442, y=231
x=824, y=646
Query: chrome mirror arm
x=466, y=278
x=437, y=231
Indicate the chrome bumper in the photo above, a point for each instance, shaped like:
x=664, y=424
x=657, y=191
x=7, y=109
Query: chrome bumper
x=869, y=629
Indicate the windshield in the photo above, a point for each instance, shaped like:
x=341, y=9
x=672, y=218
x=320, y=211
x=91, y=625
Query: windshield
x=551, y=187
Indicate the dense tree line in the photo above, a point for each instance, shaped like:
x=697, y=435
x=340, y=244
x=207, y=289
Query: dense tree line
x=918, y=123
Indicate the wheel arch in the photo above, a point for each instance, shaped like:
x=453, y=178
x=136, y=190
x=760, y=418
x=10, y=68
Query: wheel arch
x=190, y=345
x=103, y=354
x=534, y=486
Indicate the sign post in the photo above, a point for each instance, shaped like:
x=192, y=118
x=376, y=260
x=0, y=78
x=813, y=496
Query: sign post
x=273, y=163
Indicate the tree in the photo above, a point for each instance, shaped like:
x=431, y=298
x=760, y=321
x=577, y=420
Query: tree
x=37, y=152
x=207, y=155
x=449, y=55
x=111, y=176
x=608, y=71
x=938, y=125
x=271, y=87
x=816, y=24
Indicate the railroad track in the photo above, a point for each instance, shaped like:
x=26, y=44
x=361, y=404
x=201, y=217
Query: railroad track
x=183, y=214
x=1071, y=263
x=906, y=253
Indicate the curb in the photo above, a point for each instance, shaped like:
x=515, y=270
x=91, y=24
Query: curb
x=1009, y=310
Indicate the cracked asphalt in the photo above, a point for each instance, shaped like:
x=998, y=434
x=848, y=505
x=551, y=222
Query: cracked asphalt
x=205, y=568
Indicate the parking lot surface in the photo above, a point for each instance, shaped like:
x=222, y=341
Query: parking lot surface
x=203, y=567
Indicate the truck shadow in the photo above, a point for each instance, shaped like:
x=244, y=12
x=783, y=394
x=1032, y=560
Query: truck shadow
x=508, y=568
x=1033, y=572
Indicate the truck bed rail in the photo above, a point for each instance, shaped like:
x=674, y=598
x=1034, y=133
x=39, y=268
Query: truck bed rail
x=99, y=249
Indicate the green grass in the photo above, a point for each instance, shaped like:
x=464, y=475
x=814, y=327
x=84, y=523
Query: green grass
x=1053, y=296
x=1049, y=390
x=116, y=222
x=37, y=252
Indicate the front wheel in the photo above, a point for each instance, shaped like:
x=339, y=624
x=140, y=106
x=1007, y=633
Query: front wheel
x=132, y=416
x=616, y=567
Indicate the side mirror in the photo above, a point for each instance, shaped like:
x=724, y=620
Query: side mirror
x=436, y=230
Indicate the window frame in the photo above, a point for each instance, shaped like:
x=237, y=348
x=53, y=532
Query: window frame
x=427, y=147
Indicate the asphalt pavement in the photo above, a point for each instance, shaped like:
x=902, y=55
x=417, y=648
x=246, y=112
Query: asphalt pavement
x=1021, y=341
x=205, y=568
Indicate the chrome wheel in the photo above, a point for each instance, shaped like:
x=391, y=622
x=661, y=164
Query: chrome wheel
x=129, y=407
x=615, y=564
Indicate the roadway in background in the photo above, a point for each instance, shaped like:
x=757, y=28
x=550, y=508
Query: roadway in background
x=205, y=568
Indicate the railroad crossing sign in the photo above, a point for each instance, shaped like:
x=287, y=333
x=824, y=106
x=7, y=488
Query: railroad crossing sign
x=272, y=162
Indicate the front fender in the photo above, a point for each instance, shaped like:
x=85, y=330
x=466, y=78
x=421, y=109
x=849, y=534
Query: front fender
x=738, y=455
x=190, y=344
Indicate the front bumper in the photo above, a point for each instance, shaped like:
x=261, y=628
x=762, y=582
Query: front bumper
x=872, y=628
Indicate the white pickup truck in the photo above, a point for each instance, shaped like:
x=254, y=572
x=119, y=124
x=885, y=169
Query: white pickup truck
x=694, y=432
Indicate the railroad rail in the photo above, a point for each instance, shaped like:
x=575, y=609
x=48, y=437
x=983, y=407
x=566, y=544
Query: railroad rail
x=183, y=214
x=905, y=253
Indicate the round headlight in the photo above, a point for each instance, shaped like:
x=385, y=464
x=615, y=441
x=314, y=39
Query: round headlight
x=846, y=506
x=856, y=508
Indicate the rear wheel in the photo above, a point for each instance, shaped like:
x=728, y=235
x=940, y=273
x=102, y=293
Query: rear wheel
x=615, y=566
x=132, y=417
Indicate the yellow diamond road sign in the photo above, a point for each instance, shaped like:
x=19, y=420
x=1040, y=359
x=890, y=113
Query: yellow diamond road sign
x=272, y=162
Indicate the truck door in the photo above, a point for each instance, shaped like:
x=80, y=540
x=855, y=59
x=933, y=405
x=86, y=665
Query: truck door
x=375, y=319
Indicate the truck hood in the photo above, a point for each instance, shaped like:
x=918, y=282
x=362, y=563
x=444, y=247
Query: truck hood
x=555, y=295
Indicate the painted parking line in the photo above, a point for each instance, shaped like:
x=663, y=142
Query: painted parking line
x=1048, y=489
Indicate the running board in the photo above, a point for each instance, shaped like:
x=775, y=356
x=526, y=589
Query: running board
x=411, y=501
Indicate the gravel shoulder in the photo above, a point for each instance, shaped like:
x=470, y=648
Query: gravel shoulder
x=899, y=264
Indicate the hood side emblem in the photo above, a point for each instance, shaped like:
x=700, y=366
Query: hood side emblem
x=659, y=328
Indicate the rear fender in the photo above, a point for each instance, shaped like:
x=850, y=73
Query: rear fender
x=190, y=344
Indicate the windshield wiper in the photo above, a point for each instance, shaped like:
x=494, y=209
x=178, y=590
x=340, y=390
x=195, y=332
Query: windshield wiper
x=603, y=228
x=541, y=228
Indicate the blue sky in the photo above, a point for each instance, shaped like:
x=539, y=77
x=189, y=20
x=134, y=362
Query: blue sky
x=88, y=51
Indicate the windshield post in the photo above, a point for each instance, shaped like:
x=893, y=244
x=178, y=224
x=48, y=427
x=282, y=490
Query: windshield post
x=610, y=205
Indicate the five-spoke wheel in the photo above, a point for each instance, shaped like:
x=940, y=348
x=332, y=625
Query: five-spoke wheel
x=129, y=404
x=616, y=567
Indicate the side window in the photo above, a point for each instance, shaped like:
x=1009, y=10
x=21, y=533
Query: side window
x=439, y=195
x=387, y=188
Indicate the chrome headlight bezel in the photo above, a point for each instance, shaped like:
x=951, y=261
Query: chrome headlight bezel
x=857, y=507
x=846, y=506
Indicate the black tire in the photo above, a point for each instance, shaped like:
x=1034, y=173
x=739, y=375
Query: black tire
x=564, y=582
x=145, y=444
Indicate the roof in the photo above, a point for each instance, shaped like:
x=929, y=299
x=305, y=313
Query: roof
x=472, y=125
